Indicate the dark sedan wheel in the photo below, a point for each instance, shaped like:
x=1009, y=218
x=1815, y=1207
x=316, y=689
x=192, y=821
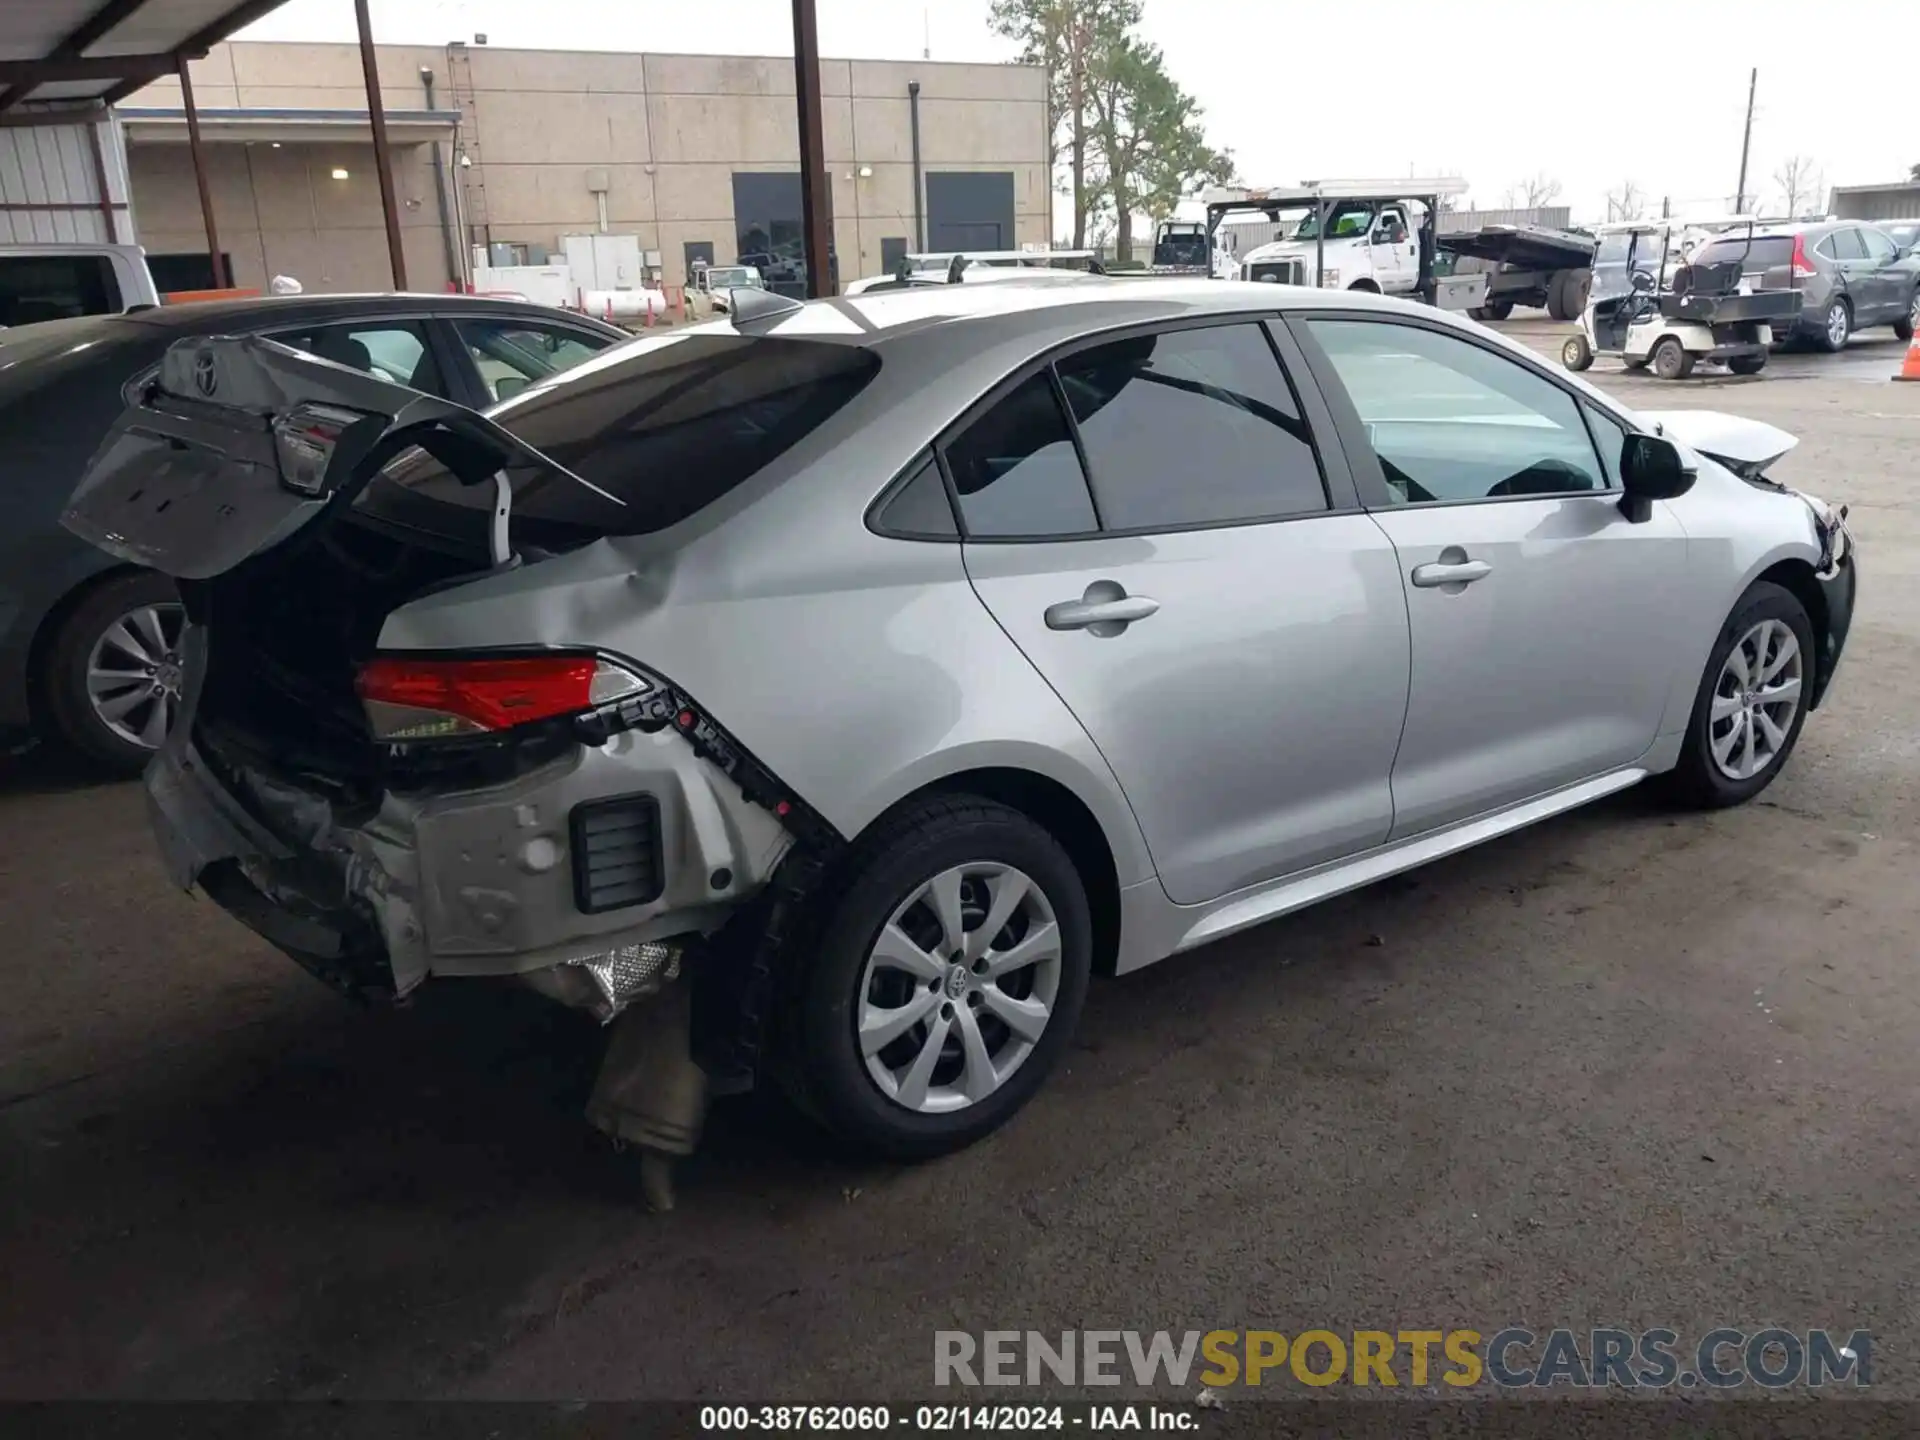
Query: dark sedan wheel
x=112, y=680
x=1905, y=328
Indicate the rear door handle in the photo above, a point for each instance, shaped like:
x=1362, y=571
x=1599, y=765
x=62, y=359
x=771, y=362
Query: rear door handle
x=1100, y=607
x=1462, y=572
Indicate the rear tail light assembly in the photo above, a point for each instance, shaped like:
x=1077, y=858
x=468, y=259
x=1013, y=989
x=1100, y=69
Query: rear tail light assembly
x=1802, y=266
x=409, y=699
x=304, y=440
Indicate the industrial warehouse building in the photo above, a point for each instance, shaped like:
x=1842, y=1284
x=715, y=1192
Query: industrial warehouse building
x=510, y=150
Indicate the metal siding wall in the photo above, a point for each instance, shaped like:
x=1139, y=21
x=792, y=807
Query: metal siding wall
x=53, y=165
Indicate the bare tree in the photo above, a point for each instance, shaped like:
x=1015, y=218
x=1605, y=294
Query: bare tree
x=1624, y=201
x=1799, y=182
x=1533, y=192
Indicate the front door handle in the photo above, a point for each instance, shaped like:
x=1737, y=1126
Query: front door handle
x=1450, y=572
x=1105, y=609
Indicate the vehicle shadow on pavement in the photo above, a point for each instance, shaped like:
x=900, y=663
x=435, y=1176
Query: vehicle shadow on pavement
x=48, y=770
x=333, y=1203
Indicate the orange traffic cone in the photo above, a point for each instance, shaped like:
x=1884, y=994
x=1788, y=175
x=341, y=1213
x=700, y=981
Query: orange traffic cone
x=1910, y=368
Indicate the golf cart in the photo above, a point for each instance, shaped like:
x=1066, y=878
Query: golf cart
x=1703, y=312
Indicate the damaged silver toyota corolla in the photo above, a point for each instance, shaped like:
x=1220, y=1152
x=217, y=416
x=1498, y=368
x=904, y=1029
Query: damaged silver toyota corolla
x=850, y=681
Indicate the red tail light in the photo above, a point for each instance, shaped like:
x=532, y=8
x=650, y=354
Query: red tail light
x=428, y=699
x=1802, y=266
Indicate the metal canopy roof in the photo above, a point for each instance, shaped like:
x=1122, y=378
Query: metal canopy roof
x=103, y=50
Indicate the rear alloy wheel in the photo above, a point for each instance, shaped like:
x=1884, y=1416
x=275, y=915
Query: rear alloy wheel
x=948, y=978
x=1904, y=329
x=113, y=678
x=1836, y=327
x=1671, y=360
x=1751, y=703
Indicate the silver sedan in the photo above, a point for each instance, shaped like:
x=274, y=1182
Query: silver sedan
x=848, y=683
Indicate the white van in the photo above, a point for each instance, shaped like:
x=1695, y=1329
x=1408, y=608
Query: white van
x=60, y=281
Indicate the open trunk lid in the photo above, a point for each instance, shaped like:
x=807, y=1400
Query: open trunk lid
x=237, y=445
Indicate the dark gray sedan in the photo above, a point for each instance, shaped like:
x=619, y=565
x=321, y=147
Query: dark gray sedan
x=88, y=645
x=1851, y=276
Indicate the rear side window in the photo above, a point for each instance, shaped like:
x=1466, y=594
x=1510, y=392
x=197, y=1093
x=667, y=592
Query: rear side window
x=664, y=428
x=1191, y=427
x=56, y=287
x=1844, y=245
x=1016, y=472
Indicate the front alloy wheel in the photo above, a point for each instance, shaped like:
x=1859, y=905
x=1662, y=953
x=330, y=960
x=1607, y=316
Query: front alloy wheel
x=1751, y=703
x=1755, y=700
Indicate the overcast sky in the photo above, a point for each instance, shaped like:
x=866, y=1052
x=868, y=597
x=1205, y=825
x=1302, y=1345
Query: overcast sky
x=1591, y=94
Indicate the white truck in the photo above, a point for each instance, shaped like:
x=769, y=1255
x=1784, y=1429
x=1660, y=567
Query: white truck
x=1357, y=234
x=61, y=281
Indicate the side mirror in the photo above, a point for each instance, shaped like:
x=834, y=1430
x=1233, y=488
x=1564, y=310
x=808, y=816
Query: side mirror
x=508, y=386
x=1651, y=468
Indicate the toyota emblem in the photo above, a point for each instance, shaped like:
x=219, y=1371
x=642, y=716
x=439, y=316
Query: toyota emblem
x=206, y=374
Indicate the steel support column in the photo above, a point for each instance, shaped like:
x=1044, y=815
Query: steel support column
x=816, y=198
x=217, y=262
x=382, y=156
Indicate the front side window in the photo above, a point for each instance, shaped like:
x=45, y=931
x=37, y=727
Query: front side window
x=1016, y=472
x=1453, y=422
x=1880, y=249
x=513, y=354
x=1191, y=427
x=1610, y=436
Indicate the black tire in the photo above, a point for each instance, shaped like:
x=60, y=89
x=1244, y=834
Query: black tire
x=1498, y=309
x=1576, y=353
x=74, y=721
x=1747, y=364
x=824, y=1069
x=1832, y=322
x=1670, y=359
x=1697, y=781
x=1903, y=328
x=1559, y=301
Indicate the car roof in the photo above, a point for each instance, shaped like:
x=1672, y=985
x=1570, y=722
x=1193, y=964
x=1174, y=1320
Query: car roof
x=199, y=315
x=1040, y=303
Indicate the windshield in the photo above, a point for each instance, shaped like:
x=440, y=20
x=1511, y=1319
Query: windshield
x=1613, y=248
x=1905, y=235
x=1345, y=221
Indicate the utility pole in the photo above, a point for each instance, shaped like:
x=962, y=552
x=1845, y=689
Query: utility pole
x=1746, y=142
x=816, y=199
